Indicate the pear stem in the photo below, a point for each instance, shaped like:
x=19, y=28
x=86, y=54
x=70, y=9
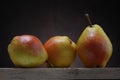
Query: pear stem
x=49, y=65
x=88, y=18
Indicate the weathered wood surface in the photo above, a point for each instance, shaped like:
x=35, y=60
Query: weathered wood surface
x=58, y=73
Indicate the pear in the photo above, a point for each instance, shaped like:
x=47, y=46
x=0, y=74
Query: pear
x=61, y=51
x=94, y=47
x=27, y=51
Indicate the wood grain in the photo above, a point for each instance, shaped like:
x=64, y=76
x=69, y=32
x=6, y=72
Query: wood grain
x=58, y=73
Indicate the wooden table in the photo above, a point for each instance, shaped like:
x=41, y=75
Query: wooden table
x=58, y=73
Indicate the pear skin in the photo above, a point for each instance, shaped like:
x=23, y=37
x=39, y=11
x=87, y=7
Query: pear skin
x=27, y=51
x=61, y=51
x=94, y=47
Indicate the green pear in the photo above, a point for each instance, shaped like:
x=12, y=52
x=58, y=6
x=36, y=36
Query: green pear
x=94, y=47
x=27, y=51
x=61, y=51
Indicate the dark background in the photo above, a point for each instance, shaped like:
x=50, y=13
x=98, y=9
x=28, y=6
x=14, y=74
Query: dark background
x=45, y=19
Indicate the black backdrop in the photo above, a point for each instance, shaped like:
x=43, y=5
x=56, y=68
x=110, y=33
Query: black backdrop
x=45, y=19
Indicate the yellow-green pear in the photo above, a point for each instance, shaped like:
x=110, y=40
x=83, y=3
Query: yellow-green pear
x=94, y=47
x=61, y=51
x=27, y=51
